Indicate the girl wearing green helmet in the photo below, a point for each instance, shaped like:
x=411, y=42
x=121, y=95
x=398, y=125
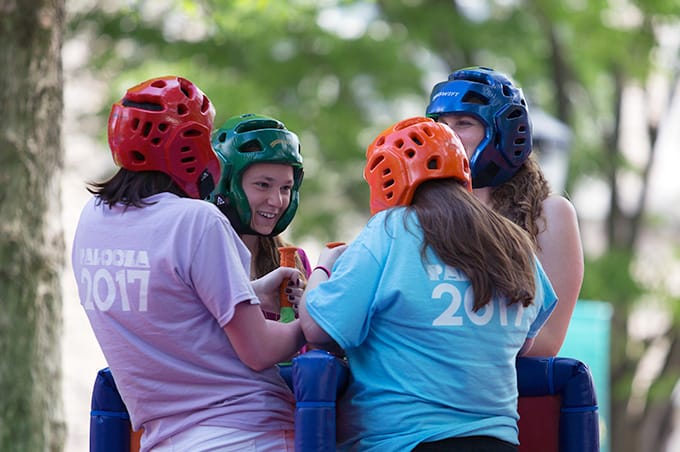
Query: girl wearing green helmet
x=259, y=188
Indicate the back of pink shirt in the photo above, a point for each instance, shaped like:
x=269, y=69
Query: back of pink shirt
x=158, y=284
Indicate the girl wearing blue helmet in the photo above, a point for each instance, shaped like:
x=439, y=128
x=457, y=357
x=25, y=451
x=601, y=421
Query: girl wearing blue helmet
x=259, y=188
x=491, y=117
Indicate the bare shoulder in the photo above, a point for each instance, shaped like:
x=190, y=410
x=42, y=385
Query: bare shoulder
x=558, y=208
x=561, y=227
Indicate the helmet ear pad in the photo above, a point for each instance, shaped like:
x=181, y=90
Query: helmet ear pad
x=504, y=148
x=382, y=170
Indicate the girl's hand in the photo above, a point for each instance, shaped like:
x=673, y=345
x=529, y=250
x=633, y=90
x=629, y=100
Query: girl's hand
x=267, y=288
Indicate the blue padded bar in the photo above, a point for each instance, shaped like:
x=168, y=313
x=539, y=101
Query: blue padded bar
x=318, y=379
x=571, y=380
x=109, y=419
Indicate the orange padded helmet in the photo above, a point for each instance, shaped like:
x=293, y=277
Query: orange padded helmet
x=164, y=124
x=408, y=153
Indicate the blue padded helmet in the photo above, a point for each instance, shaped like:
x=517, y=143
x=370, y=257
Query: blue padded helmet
x=491, y=97
x=242, y=141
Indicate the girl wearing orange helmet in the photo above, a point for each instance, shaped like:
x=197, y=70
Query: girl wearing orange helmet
x=432, y=304
x=164, y=280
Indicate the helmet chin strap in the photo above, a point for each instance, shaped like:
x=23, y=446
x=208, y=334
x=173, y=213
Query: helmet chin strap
x=206, y=184
x=232, y=215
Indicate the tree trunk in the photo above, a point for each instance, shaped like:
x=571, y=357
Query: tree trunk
x=31, y=236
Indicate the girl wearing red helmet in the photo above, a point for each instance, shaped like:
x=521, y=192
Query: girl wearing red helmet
x=491, y=117
x=432, y=303
x=164, y=280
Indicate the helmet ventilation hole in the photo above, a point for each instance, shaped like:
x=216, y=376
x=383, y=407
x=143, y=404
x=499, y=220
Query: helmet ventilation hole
x=250, y=146
x=162, y=127
x=186, y=86
x=515, y=113
x=377, y=161
x=137, y=156
x=182, y=109
x=191, y=133
x=147, y=129
x=433, y=163
x=472, y=97
x=205, y=106
x=410, y=153
x=156, y=141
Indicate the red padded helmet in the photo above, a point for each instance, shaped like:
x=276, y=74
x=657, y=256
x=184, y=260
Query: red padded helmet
x=408, y=153
x=164, y=124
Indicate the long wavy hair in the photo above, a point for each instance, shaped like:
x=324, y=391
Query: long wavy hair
x=495, y=254
x=520, y=198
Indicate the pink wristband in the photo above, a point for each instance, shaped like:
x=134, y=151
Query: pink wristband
x=324, y=269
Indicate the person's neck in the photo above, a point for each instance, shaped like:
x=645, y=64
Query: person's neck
x=250, y=241
x=484, y=195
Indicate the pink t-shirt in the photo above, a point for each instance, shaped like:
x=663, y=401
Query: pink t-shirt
x=158, y=285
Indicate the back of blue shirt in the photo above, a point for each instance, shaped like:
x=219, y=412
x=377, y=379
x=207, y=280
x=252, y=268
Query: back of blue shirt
x=424, y=366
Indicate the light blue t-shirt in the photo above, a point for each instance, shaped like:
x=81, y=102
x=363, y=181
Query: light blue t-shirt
x=424, y=366
x=158, y=285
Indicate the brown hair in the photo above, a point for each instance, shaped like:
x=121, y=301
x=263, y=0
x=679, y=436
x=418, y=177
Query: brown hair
x=267, y=257
x=520, y=199
x=131, y=187
x=494, y=253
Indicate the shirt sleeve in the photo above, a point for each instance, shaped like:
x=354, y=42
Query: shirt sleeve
x=545, y=299
x=344, y=305
x=218, y=271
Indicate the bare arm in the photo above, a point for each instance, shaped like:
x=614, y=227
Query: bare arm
x=526, y=347
x=258, y=342
x=561, y=255
x=261, y=343
x=313, y=332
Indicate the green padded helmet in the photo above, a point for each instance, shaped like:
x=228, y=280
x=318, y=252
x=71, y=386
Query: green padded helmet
x=242, y=141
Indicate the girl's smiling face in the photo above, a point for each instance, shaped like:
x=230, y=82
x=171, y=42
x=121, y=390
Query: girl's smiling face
x=268, y=187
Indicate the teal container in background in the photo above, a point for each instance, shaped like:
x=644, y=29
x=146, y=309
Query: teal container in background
x=587, y=340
